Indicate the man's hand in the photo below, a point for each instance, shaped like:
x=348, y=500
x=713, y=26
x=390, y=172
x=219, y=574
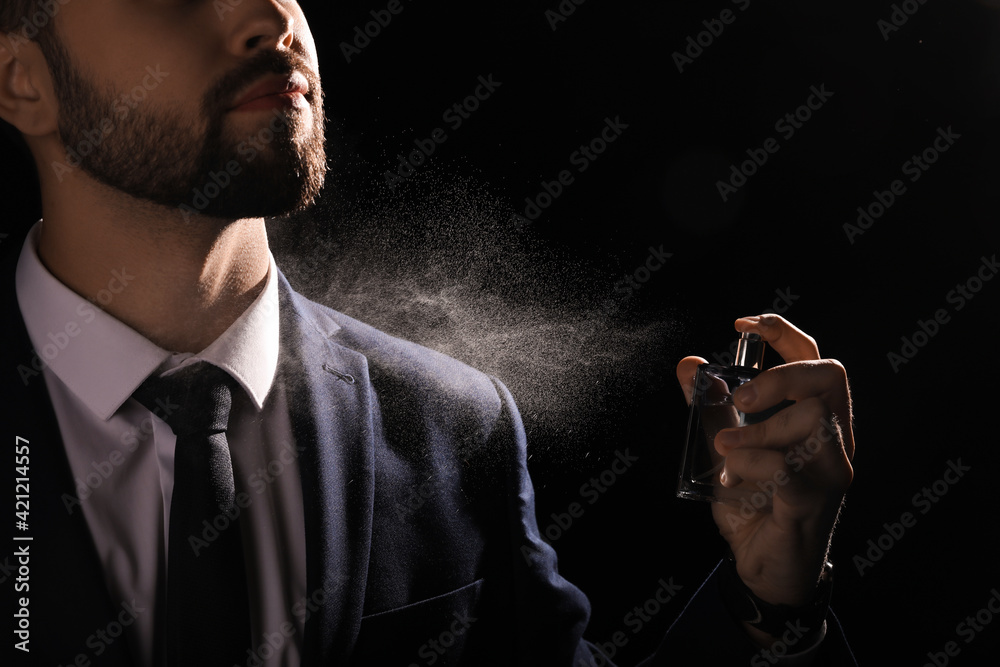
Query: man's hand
x=804, y=451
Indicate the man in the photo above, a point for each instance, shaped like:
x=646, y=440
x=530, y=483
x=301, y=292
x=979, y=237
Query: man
x=163, y=134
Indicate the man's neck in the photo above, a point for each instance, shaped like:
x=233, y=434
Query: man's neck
x=180, y=283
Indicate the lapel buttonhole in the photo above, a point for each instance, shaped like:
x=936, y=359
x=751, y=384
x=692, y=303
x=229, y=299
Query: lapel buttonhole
x=349, y=379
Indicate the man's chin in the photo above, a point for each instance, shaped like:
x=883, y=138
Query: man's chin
x=248, y=208
x=249, y=190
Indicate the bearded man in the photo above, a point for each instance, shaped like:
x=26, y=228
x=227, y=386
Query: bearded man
x=215, y=462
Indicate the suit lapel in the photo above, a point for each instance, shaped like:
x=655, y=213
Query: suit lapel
x=69, y=600
x=331, y=413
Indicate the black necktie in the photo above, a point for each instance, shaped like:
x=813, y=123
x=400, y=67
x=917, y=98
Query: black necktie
x=207, y=611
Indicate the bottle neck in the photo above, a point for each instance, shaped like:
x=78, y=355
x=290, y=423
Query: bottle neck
x=749, y=352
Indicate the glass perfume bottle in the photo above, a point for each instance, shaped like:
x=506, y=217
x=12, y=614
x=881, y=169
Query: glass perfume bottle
x=712, y=410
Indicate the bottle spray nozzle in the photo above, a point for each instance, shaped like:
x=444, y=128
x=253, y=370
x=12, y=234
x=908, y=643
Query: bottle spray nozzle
x=750, y=351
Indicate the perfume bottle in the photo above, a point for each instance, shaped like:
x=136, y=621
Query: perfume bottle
x=712, y=410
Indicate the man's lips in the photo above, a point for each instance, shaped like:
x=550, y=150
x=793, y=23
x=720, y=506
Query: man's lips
x=276, y=90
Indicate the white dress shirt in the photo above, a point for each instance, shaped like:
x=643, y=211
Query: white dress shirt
x=122, y=455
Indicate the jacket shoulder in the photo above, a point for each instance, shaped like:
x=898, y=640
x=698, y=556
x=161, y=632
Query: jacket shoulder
x=399, y=368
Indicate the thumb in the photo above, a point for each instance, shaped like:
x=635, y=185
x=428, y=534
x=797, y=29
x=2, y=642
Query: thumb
x=686, y=369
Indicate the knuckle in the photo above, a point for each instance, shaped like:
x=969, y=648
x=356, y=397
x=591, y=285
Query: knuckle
x=750, y=433
x=834, y=369
x=754, y=458
x=815, y=409
x=839, y=478
x=782, y=419
x=771, y=319
x=835, y=363
x=846, y=475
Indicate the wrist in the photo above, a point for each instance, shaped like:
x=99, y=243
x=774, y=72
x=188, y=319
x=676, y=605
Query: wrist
x=766, y=622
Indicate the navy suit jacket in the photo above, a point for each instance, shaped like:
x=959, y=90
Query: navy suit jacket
x=422, y=545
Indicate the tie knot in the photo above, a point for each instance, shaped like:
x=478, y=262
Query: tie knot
x=194, y=400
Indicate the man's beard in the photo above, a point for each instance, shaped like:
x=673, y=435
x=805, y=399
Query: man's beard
x=136, y=144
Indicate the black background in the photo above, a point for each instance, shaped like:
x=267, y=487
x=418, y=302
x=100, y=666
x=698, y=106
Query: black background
x=450, y=227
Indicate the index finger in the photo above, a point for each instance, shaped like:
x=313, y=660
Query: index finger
x=789, y=341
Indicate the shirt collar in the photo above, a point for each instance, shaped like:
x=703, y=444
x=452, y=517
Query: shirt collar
x=103, y=361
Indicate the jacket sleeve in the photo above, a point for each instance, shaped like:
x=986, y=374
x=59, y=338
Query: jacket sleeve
x=706, y=631
x=552, y=614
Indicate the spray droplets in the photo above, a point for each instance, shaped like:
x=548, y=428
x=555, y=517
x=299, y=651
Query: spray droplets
x=454, y=271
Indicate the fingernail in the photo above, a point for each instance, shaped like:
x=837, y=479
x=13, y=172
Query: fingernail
x=729, y=437
x=746, y=394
